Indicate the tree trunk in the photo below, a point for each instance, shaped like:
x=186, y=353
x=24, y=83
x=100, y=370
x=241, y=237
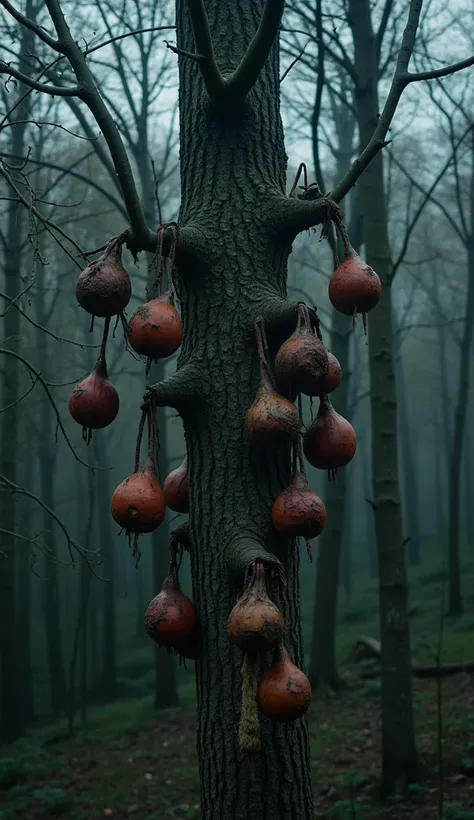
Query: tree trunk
x=323, y=670
x=231, y=166
x=369, y=512
x=50, y=584
x=24, y=606
x=455, y=606
x=440, y=467
x=410, y=495
x=12, y=716
x=108, y=682
x=94, y=619
x=399, y=755
x=468, y=487
x=140, y=603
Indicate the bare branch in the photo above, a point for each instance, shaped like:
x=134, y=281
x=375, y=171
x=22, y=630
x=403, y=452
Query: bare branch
x=53, y=90
x=426, y=198
x=25, y=21
x=22, y=491
x=50, y=226
x=248, y=71
x=293, y=63
x=141, y=234
x=128, y=34
x=387, y=10
x=40, y=327
x=440, y=72
x=211, y=75
x=37, y=374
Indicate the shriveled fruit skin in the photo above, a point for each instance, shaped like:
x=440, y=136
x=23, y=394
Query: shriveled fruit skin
x=255, y=626
x=272, y=419
x=103, y=289
x=301, y=363
x=298, y=511
x=176, y=489
x=94, y=403
x=354, y=287
x=170, y=620
x=330, y=441
x=332, y=379
x=138, y=503
x=156, y=329
x=284, y=693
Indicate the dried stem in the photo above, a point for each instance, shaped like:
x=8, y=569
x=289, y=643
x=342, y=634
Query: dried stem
x=141, y=426
x=301, y=169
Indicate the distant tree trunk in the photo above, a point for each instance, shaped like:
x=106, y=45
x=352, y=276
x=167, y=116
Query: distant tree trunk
x=140, y=602
x=93, y=620
x=12, y=715
x=84, y=598
x=323, y=670
x=468, y=488
x=25, y=678
x=440, y=467
x=443, y=444
x=347, y=561
x=108, y=682
x=51, y=586
x=410, y=495
x=399, y=755
x=369, y=512
x=455, y=605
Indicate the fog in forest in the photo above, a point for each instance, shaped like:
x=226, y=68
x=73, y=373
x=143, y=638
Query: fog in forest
x=86, y=696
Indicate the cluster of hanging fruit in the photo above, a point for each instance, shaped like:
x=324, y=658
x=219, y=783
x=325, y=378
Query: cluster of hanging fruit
x=170, y=619
x=155, y=330
x=256, y=626
x=302, y=365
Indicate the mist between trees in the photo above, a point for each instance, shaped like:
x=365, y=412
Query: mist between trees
x=377, y=101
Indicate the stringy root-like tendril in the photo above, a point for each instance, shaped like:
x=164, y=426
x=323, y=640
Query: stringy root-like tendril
x=249, y=726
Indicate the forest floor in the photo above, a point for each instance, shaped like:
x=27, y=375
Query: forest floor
x=129, y=762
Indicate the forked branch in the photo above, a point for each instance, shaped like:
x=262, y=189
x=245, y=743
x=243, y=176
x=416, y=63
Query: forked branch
x=233, y=90
x=248, y=71
x=211, y=75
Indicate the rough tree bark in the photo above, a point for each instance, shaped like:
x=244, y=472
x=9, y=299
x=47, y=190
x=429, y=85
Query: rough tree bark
x=399, y=755
x=455, y=605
